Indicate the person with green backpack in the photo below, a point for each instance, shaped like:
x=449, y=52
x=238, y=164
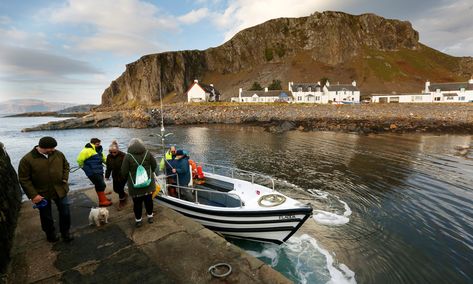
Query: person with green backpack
x=138, y=167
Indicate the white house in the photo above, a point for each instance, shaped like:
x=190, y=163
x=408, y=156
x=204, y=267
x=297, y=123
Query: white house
x=450, y=92
x=199, y=92
x=342, y=93
x=315, y=93
x=265, y=96
x=401, y=98
x=307, y=93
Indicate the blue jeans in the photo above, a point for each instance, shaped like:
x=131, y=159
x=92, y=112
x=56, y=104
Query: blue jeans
x=46, y=216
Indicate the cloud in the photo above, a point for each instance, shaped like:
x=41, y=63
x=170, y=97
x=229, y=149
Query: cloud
x=120, y=26
x=4, y=20
x=448, y=27
x=242, y=14
x=20, y=38
x=194, y=16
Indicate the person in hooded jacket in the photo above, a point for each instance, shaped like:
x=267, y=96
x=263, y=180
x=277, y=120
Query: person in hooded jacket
x=137, y=153
x=91, y=160
x=181, y=167
x=114, y=164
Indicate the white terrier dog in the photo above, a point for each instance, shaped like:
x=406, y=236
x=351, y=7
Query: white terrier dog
x=98, y=216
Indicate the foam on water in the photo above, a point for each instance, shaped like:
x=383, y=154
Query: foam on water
x=330, y=218
x=307, y=249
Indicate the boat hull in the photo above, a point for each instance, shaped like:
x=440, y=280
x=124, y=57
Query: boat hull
x=264, y=225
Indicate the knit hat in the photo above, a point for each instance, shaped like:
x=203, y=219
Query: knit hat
x=47, y=142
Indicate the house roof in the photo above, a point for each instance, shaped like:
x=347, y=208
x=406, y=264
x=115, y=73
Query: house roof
x=342, y=87
x=205, y=87
x=209, y=89
x=450, y=86
x=272, y=93
x=305, y=87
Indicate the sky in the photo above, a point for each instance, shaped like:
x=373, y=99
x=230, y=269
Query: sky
x=71, y=50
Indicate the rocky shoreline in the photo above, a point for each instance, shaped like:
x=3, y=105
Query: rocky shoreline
x=374, y=118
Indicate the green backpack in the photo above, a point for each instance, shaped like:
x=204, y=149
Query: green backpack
x=142, y=178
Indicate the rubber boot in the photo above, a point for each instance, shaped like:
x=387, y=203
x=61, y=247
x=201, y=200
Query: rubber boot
x=103, y=201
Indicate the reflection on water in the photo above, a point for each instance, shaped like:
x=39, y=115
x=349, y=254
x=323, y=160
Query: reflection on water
x=406, y=199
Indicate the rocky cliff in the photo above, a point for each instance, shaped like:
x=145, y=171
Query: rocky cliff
x=10, y=202
x=380, y=54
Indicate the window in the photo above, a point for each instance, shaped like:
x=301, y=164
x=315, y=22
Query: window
x=437, y=99
x=462, y=90
x=309, y=89
x=254, y=99
x=394, y=99
x=317, y=98
x=449, y=98
x=437, y=90
x=418, y=98
x=299, y=89
x=299, y=98
x=461, y=98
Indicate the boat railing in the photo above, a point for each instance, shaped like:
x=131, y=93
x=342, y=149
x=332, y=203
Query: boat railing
x=197, y=190
x=234, y=171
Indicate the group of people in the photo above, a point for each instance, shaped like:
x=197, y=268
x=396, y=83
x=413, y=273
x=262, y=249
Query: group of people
x=44, y=173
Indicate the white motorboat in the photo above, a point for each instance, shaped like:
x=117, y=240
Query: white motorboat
x=235, y=207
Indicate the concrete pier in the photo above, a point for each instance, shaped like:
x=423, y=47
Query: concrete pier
x=174, y=249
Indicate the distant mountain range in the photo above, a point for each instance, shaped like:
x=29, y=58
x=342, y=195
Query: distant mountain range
x=31, y=105
x=382, y=55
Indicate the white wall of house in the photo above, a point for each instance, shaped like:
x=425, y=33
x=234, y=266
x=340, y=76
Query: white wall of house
x=196, y=93
x=409, y=98
x=324, y=95
x=450, y=96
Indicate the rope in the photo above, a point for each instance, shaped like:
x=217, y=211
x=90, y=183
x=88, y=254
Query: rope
x=74, y=169
x=213, y=268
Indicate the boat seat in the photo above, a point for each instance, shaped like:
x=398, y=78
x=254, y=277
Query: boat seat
x=216, y=199
x=216, y=184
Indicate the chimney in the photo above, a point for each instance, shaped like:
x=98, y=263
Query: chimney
x=290, y=86
x=196, y=81
x=327, y=83
x=318, y=83
x=266, y=89
x=212, y=85
x=239, y=94
x=353, y=83
x=471, y=80
x=427, y=85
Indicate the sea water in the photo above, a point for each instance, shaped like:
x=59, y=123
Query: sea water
x=387, y=208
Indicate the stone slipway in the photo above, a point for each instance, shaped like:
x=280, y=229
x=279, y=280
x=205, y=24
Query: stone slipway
x=174, y=249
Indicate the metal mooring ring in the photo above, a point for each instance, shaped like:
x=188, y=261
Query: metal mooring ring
x=214, y=267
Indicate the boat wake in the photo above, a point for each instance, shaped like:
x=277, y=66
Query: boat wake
x=330, y=218
x=309, y=263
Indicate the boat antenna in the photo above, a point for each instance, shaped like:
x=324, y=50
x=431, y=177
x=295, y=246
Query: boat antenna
x=163, y=135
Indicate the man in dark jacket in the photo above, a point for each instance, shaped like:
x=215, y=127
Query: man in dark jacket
x=181, y=167
x=91, y=160
x=114, y=165
x=43, y=175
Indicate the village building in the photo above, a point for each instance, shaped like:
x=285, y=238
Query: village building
x=307, y=93
x=316, y=93
x=199, y=92
x=432, y=93
x=450, y=92
x=401, y=98
x=265, y=96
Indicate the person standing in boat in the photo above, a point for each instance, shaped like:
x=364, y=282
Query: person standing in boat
x=181, y=168
x=43, y=174
x=139, y=155
x=169, y=156
x=114, y=164
x=91, y=160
